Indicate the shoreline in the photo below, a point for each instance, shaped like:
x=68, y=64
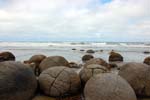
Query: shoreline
x=47, y=68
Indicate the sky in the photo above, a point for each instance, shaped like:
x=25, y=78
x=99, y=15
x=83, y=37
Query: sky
x=75, y=20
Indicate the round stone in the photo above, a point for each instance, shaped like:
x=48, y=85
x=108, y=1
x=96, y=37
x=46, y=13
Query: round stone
x=115, y=57
x=34, y=62
x=7, y=56
x=91, y=70
x=90, y=51
x=53, y=61
x=147, y=60
x=108, y=87
x=87, y=57
x=17, y=81
x=98, y=61
x=138, y=76
x=59, y=81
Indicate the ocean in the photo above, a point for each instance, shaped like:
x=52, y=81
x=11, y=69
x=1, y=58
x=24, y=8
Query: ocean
x=131, y=51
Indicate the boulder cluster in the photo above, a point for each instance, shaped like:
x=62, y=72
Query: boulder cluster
x=55, y=78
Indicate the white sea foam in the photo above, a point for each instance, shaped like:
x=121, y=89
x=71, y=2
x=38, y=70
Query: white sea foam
x=72, y=44
x=24, y=50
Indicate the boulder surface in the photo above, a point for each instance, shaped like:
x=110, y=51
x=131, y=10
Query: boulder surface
x=7, y=56
x=108, y=87
x=53, y=61
x=115, y=57
x=17, y=81
x=91, y=70
x=59, y=81
x=138, y=76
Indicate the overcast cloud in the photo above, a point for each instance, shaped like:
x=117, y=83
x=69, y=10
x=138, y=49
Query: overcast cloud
x=93, y=20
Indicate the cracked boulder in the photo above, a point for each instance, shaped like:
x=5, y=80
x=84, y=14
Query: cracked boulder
x=138, y=76
x=6, y=56
x=98, y=61
x=91, y=70
x=53, y=61
x=108, y=87
x=59, y=81
x=17, y=81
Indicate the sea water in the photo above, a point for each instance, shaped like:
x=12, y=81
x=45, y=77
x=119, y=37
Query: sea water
x=132, y=52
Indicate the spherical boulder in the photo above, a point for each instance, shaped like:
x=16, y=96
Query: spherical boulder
x=147, y=60
x=17, y=81
x=146, y=52
x=90, y=51
x=82, y=50
x=53, y=61
x=98, y=61
x=115, y=57
x=36, y=60
x=91, y=70
x=59, y=81
x=7, y=56
x=74, y=49
x=108, y=87
x=101, y=50
x=138, y=76
x=87, y=57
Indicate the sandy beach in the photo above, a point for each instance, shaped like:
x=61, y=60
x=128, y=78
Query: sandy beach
x=72, y=53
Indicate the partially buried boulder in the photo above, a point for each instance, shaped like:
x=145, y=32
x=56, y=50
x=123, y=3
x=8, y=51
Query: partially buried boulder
x=34, y=62
x=59, y=81
x=87, y=57
x=37, y=59
x=115, y=57
x=90, y=51
x=108, y=87
x=53, y=61
x=82, y=50
x=74, y=49
x=146, y=52
x=147, y=60
x=91, y=70
x=98, y=61
x=7, y=56
x=138, y=76
x=17, y=81
x=101, y=50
